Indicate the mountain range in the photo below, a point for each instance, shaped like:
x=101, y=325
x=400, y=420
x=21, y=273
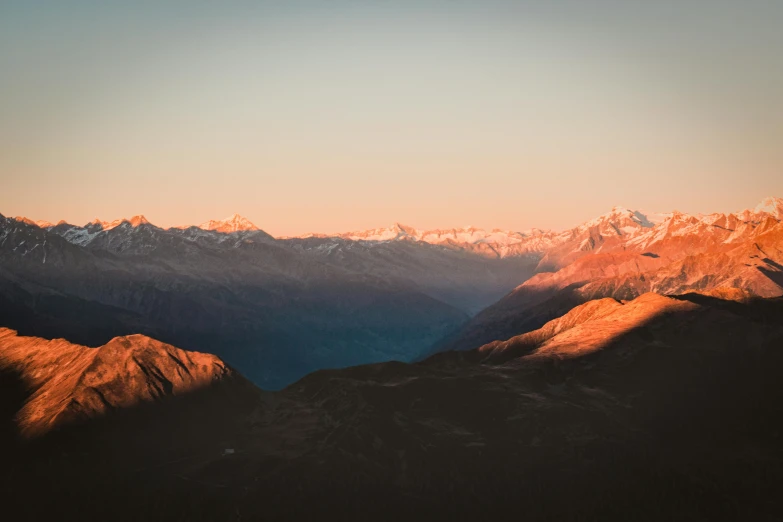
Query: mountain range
x=279, y=308
x=626, y=368
x=736, y=255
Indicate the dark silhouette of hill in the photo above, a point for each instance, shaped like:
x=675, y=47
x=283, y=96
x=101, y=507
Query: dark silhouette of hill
x=653, y=409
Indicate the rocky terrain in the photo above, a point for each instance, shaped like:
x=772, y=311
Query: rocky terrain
x=280, y=308
x=655, y=408
x=716, y=253
x=634, y=376
x=258, y=303
x=71, y=383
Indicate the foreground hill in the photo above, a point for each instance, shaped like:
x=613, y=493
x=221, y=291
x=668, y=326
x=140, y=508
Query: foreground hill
x=70, y=383
x=658, y=408
x=76, y=419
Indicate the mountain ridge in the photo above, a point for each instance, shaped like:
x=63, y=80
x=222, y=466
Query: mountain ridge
x=245, y=289
x=681, y=254
x=564, y=245
x=71, y=383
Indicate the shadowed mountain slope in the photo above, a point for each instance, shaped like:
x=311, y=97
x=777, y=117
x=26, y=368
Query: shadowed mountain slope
x=656, y=408
x=78, y=420
x=257, y=303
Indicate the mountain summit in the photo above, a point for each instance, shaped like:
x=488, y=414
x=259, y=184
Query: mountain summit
x=134, y=222
x=771, y=206
x=74, y=382
x=233, y=223
x=137, y=221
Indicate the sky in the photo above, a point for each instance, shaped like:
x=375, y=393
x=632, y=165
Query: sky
x=339, y=115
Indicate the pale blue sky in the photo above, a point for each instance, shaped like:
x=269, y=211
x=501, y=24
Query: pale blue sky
x=332, y=116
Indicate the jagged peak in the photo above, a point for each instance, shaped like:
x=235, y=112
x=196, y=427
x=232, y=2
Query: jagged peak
x=25, y=220
x=772, y=206
x=618, y=214
x=676, y=218
x=405, y=229
x=769, y=202
x=135, y=221
x=138, y=220
x=104, y=225
x=676, y=214
x=233, y=223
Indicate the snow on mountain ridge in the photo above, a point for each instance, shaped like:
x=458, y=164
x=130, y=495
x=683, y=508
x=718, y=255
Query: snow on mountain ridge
x=135, y=221
x=619, y=222
x=233, y=223
x=39, y=223
x=618, y=218
x=28, y=221
x=633, y=228
x=771, y=206
x=496, y=243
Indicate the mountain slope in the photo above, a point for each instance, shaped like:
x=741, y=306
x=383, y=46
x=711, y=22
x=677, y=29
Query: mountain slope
x=233, y=223
x=256, y=302
x=657, y=406
x=585, y=328
x=391, y=294
x=69, y=382
x=669, y=414
x=465, y=280
x=681, y=254
x=492, y=244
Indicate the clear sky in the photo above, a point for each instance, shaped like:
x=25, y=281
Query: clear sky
x=342, y=115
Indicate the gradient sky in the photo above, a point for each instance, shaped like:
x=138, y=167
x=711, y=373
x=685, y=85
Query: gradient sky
x=343, y=115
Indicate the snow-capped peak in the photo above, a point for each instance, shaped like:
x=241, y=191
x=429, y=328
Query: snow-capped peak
x=620, y=218
x=25, y=220
x=39, y=223
x=134, y=222
x=233, y=223
x=496, y=243
x=771, y=206
x=405, y=230
x=139, y=220
x=393, y=232
x=104, y=225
